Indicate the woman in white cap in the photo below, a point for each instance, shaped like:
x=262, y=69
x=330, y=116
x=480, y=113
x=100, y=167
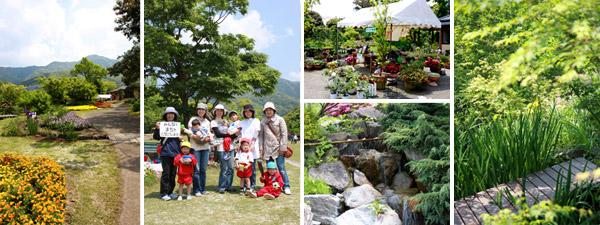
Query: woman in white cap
x=273, y=141
x=200, y=149
x=250, y=128
x=170, y=149
x=219, y=127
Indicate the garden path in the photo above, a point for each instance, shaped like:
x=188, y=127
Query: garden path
x=124, y=132
x=540, y=185
x=315, y=83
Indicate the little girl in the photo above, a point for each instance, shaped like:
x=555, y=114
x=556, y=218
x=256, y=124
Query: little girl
x=273, y=183
x=185, y=162
x=243, y=163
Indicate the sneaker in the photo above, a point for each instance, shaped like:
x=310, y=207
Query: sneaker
x=269, y=196
x=205, y=192
x=242, y=191
x=179, y=198
x=226, y=156
x=222, y=191
x=250, y=193
x=166, y=198
x=189, y=197
x=198, y=194
x=173, y=196
x=288, y=191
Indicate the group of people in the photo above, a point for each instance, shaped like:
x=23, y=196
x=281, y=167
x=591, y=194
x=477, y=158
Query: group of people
x=239, y=144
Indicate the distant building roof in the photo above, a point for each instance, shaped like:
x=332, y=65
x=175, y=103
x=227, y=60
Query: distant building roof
x=118, y=89
x=445, y=20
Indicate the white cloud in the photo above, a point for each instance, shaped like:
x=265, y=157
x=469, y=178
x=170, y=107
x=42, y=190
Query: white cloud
x=294, y=75
x=37, y=34
x=251, y=26
x=289, y=32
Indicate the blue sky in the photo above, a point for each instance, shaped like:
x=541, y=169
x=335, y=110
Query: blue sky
x=275, y=26
x=38, y=32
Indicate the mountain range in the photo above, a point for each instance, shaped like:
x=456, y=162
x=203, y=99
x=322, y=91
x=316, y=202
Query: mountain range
x=285, y=98
x=26, y=75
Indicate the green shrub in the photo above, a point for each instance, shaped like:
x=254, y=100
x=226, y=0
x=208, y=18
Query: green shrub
x=70, y=135
x=545, y=212
x=36, y=101
x=13, y=128
x=150, y=177
x=135, y=104
x=315, y=186
x=504, y=149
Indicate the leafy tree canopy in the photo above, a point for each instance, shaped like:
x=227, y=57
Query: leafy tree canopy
x=92, y=72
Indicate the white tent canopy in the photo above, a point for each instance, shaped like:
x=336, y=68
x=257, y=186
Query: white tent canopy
x=407, y=13
x=103, y=96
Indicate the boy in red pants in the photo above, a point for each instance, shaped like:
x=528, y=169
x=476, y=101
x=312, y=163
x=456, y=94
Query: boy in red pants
x=273, y=183
x=185, y=162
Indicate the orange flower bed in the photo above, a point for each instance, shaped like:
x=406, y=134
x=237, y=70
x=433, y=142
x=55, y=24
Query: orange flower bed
x=32, y=190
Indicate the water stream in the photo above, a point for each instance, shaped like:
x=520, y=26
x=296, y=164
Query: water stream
x=408, y=217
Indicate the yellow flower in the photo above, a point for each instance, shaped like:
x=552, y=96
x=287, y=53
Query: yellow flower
x=582, y=176
x=596, y=173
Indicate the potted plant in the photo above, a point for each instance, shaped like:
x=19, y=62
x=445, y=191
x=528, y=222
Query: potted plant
x=413, y=76
x=333, y=82
x=433, y=77
x=434, y=64
x=392, y=69
x=332, y=65
x=308, y=64
x=318, y=64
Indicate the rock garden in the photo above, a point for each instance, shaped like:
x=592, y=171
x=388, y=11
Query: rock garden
x=376, y=164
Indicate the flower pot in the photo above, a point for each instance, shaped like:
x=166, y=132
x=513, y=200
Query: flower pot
x=346, y=96
x=318, y=67
x=380, y=81
x=309, y=67
x=410, y=85
x=391, y=75
x=333, y=95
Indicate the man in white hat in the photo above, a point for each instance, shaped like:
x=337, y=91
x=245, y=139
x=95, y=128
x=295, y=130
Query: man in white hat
x=273, y=141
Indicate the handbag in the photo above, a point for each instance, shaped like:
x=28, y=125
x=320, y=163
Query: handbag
x=159, y=148
x=289, y=151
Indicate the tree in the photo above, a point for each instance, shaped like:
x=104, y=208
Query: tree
x=56, y=87
x=128, y=22
x=292, y=119
x=92, y=72
x=36, y=101
x=10, y=95
x=213, y=67
x=81, y=91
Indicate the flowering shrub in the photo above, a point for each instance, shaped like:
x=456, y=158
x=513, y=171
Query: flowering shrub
x=32, y=190
x=392, y=68
x=102, y=104
x=342, y=109
x=67, y=121
x=432, y=62
x=351, y=59
x=81, y=108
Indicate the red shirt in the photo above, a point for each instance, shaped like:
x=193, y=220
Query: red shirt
x=184, y=169
x=270, y=179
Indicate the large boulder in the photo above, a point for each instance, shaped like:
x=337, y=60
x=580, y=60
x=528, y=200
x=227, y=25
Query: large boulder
x=324, y=208
x=365, y=113
x=333, y=173
x=397, y=199
x=360, y=178
x=402, y=180
x=368, y=129
x=375, y=164
x=308, y=215
x=345, y=148
x=364, y=215
x=361, y=195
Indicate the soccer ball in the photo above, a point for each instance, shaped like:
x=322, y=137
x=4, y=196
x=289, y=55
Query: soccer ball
x=276, y=185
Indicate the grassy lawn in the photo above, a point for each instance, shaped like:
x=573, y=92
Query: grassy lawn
x=296, y=155
x=91, y=173
x=228, y=208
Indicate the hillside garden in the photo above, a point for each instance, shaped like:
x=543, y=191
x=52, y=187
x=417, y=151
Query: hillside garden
x=384, y=163
x=365, y=61
x=526, y=93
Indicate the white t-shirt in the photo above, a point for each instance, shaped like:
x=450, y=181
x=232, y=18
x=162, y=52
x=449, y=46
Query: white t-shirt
x=234, y=126
x=244, y=157
x=250, y=129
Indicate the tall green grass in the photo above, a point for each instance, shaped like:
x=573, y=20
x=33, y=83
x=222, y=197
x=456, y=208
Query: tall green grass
x=504, y=149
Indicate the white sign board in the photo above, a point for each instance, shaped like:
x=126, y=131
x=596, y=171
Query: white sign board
x=170, y=129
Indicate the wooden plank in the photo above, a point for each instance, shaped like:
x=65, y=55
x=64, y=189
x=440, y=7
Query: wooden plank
x=536, y=187
x=589, y=165
x=468, y=217
x=506, y=204
x=518, y=190
x=486, y=200
x=457, y=219
x=476, y=207
x=548, y=182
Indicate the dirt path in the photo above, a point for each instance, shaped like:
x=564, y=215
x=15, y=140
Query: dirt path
x=124, y=132
x=315, y=87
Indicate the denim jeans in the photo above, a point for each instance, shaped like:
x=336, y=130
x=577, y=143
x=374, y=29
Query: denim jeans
x=226, y=174
x=199, y=176
x=282, y=171
x=253, y=177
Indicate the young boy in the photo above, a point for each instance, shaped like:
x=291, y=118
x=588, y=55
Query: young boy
x=233, y=129
x=243, y=163
x=273, y=183
x=185, y=162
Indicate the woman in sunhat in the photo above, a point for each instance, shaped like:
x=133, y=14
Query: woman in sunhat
x=250, y=128
x=170, y=149
x=219, y=126
x=273, y=141
x=200, y=149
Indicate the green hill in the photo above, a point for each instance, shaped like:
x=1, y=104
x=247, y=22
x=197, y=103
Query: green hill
x=26, y=75
x=285, y=98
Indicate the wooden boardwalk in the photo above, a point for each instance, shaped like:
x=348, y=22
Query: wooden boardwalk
x=539, y=185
